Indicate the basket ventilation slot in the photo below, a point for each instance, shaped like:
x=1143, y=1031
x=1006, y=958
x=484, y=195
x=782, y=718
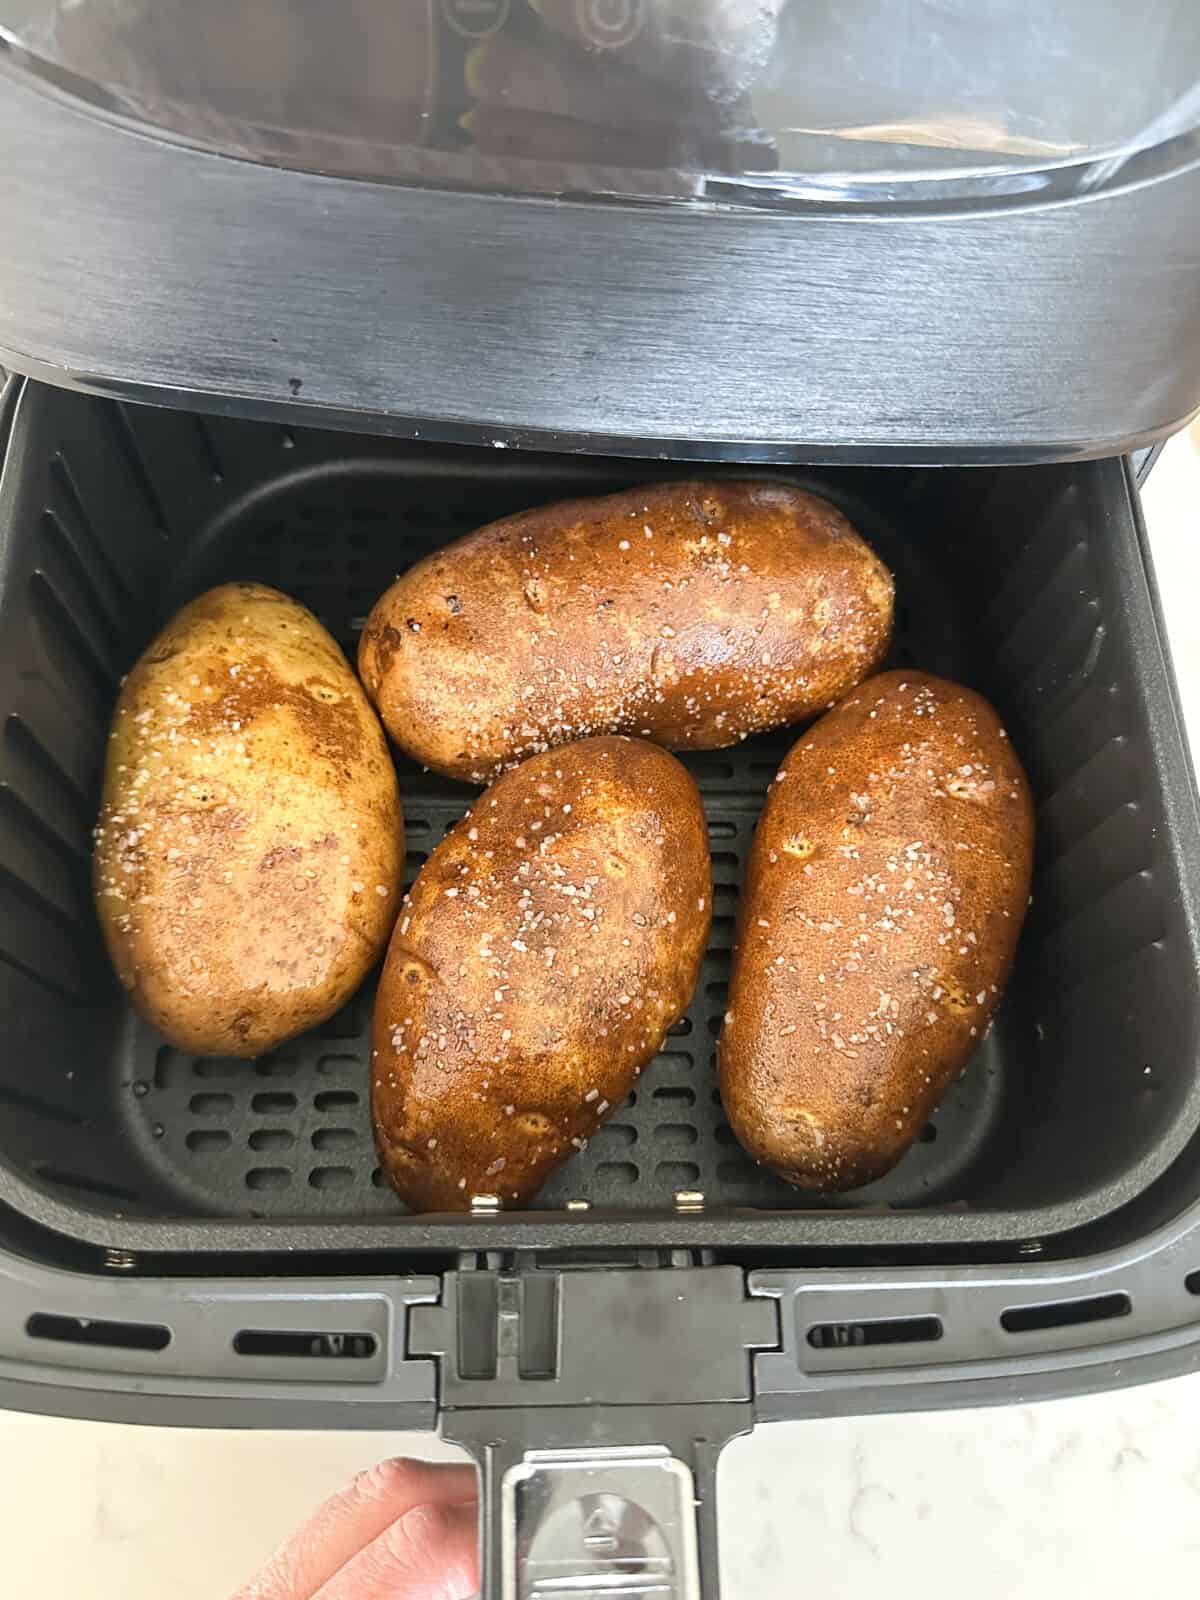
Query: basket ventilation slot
x=1065, y=1313
x=891, y=1330
x=85, y=1330
x=277, y=1342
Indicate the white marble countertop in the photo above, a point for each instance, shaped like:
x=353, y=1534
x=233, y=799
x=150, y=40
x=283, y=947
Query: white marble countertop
x=1098, y=1496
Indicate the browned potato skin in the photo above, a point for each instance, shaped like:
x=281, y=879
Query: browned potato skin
x=250, y=850
x=692, y=614
x=546, y=947
x=884, y=895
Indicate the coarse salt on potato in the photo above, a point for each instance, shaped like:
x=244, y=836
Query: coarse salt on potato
x=883, y=900
x=546, y=947
x=250, y=850
x=692, y=614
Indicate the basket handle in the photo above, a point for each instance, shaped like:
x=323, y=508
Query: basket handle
x=639, y=1519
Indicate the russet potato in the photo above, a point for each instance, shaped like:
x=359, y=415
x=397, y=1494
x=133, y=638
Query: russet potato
x=250, y=850
x=884, y=895
x=546, y=947
x=692, y=614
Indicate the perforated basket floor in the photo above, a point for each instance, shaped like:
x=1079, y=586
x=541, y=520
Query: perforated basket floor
x=1025, y=583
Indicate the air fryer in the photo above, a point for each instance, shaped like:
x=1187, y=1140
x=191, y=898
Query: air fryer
x=299, y=298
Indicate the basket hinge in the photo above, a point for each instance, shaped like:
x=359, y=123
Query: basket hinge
x=533, y=1337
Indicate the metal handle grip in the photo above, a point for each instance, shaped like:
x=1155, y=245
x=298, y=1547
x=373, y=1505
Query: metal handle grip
x=630, y=1520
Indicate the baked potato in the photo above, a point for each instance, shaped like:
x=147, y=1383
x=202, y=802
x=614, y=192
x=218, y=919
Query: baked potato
x=249, y=852
x=691, y=614
x=546, y=947
x=884, y=895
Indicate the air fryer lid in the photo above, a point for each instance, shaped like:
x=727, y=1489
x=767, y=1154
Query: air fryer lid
x=644, y=97
x=1033, y=291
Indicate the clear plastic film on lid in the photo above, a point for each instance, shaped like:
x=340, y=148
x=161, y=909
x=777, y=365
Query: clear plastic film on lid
x=755, y=101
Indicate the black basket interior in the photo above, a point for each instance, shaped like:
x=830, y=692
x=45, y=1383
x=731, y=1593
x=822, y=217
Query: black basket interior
x=1024, y=582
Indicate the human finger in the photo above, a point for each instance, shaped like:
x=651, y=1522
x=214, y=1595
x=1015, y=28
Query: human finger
x=351, y=1519
x=430, y=1553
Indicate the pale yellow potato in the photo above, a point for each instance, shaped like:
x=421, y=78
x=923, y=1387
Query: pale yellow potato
x=250, y=848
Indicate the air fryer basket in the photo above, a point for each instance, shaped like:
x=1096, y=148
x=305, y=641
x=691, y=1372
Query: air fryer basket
x=1027, y=583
